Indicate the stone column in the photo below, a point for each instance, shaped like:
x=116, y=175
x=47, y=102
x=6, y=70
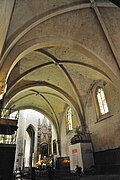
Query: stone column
x=20, y=142
x=59, y=146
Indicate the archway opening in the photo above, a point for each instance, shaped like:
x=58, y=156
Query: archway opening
x=35, y=137
x=29, y=146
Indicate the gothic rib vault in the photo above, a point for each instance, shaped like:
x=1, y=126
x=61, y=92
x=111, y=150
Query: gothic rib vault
x=52, y=53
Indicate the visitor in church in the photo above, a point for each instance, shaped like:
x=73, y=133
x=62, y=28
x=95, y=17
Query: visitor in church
x=78, y=171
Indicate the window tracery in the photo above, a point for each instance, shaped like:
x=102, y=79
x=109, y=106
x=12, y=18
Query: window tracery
x=69, y=120
x=102, y=103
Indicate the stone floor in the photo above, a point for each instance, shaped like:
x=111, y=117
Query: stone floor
x=66, y=175
x=88, y=177
x=84, y=177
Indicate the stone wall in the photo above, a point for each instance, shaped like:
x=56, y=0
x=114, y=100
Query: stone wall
x=105, y=130
x=66, y=136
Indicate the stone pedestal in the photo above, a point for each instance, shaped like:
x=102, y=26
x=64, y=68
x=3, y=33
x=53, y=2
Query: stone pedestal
x=81, y=154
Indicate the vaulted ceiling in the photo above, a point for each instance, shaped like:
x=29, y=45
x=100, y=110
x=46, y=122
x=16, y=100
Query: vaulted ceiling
x=52, y=52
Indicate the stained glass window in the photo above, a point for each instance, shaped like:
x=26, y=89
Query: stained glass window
x=69, y=119
x=102, y=101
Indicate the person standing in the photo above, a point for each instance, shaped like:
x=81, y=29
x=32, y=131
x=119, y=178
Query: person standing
x=50, y=172
x=33, y=173
x=78, y=171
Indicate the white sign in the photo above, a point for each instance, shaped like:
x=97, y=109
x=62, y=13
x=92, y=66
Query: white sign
x=81, y=155
x=75, y=156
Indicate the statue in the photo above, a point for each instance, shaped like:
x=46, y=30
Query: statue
x=80, y=136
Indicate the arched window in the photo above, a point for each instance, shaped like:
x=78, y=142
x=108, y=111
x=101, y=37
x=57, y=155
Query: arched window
x=69, y=119
x=103, y=107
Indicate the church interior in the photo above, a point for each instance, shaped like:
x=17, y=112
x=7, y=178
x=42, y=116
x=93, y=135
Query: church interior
x=59, y=85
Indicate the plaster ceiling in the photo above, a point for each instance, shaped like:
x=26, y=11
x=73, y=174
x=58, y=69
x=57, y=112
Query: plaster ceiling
x=48, y=76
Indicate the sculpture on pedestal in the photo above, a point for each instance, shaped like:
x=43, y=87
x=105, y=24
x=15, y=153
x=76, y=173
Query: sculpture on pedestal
x=80, y=136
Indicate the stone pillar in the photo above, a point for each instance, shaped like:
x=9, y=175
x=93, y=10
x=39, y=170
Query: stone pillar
x=20, y=142
x=59, y=146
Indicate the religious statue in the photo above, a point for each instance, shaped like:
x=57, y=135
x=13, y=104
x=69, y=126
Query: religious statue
x=80, y=136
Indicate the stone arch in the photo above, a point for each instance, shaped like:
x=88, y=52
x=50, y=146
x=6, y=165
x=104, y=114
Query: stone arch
x=64, y=95
x=17, y=53
x=57, y=41
x=31, y=132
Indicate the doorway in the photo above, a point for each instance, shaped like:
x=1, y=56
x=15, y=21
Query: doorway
x=29, y=147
